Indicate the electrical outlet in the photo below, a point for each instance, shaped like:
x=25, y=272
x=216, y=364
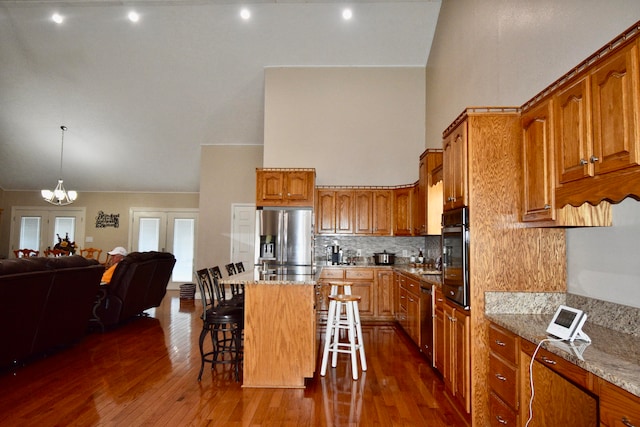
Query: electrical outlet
x=359, y=252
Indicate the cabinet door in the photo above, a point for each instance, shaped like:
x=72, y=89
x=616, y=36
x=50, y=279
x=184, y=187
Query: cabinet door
x=538, y=163
x=455, y=168
x=434, y=194
x=344, y=212
x=382, y=212
x=402, y=211
x=413, y=317
x=384, y=294
x=449, y=349
x=438, y=340
x=616, y=113
x=270, y=186
x=363, y=212
x=421, y=202
x=299, y=185
x=571, y=131
x=326, y=212
x=462, y=359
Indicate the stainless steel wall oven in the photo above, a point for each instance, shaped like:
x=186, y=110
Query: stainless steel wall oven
x=455, y=256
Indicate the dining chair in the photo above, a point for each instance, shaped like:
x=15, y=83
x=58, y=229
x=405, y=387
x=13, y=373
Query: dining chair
x=239, y=267
x=55, y=252
x=25, y=253
x=91, y=253
x=231, y=269
x=215, y=272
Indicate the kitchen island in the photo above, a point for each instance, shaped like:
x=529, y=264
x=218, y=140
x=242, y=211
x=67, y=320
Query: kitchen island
x=280, y=337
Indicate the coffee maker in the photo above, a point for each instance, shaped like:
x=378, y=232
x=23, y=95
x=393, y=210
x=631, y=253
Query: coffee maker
x=336, y=254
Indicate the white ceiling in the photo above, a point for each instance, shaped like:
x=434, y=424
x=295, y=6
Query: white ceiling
x=140, y=99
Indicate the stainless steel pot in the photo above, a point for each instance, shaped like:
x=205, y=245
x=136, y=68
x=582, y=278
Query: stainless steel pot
x=384, y=258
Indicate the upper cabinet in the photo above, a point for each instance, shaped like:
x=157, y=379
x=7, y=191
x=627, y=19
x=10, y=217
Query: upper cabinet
x=403, y=199
x=428, y=209
x=598, y=131
x=455, y=166
x=285, y=187
x=581, y=139
x=334, y=211
x=373, y=212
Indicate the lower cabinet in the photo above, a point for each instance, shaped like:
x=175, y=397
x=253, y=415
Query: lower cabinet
x=452, y=353
x=409, y=316
x=374, y=285
x=564, y=393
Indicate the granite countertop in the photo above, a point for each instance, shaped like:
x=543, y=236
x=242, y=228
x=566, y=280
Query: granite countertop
x=256, y=276
x=612, y=355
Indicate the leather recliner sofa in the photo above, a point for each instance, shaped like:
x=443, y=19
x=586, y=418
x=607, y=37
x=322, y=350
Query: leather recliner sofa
x=139, y=282
x=45, y=304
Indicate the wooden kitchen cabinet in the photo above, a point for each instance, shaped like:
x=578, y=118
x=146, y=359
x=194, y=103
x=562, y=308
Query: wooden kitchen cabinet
x=334, y=211
x=602, y=158
x=373, y=285
x=503, y=376
x=455, y=361
x=562, y=395
x=540, y=158
x=373, y=212
x=438, y=330
x=618, y=407
x=454, y=166
x=402, y=211
x=429, y=193
x=385, y=300
x=409, y=289
x=285, y=187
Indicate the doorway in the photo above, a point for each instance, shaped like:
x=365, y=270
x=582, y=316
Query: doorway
x=172, y=231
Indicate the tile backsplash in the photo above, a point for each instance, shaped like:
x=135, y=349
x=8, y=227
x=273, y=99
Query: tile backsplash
x=431, y=246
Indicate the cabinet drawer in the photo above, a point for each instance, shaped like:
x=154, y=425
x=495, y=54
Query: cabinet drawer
x=438, y=297
x=359, y=274
x=503, y=379
x=500, y=414
x=504, y=343
x=618, y=408
x=559, y=365
x=332, y=273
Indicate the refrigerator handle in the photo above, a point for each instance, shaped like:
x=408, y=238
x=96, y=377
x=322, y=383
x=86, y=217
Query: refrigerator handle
x=284, y=232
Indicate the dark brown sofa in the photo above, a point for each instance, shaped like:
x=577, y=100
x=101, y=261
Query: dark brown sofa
x=138, y=283
x=45, y=303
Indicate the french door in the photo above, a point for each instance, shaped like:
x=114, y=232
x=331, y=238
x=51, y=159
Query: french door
x=167, y=231
x=38, y=228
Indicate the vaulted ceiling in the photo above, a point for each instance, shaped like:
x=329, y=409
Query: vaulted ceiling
x=140, y=98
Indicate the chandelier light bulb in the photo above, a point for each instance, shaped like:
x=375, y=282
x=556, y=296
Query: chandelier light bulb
x=59, y=196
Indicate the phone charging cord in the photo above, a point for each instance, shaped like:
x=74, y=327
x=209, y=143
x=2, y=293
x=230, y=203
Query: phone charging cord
x=533, y=358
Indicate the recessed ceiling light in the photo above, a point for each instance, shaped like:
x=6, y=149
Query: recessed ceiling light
x=347, y=14
x=57, y=18
x=245, y=13
x=133, y=16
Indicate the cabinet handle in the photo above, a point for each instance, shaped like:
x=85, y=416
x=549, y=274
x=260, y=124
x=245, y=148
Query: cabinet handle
x=501, y=420
x=626, y=422
x=548, y=361
x=547, y=207
x=583, y=162
x=594, y=159
x=500, y=343
x=501, y=377
x=288, y=194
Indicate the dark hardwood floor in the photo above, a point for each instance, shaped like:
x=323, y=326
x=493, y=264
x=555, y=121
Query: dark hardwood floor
x=145, y=374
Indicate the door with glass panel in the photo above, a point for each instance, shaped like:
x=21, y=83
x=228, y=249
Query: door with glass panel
x=39, y=229
x=168, y=231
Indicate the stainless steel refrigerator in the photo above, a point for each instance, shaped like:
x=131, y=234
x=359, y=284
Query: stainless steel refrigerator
x=284, y=240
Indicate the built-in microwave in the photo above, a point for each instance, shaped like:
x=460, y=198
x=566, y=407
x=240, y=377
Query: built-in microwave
x=455, y=256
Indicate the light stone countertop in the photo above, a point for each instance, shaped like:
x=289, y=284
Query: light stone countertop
x=612, y=355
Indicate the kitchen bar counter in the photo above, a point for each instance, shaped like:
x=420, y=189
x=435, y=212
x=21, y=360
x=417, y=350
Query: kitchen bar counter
x=612, y=355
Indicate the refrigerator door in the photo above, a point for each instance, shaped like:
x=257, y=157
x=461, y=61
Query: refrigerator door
x=297, y=232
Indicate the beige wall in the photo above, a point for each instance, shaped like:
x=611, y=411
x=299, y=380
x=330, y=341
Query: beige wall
x=354, y=125
x=227, y=176
x=110, y=203
x=503, y=52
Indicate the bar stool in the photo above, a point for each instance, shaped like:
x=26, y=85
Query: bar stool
x=336, y=321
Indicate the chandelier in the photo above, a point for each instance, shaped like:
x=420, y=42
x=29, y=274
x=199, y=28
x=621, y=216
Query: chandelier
x=59, y=196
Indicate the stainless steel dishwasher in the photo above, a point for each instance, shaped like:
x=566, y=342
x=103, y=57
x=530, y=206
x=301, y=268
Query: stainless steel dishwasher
x=426, y=320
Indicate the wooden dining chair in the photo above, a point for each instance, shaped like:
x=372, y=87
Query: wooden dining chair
x=55, y=252
x=91, y=253
x=25, y=253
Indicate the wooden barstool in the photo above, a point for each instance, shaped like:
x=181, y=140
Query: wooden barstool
x=349, y=321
